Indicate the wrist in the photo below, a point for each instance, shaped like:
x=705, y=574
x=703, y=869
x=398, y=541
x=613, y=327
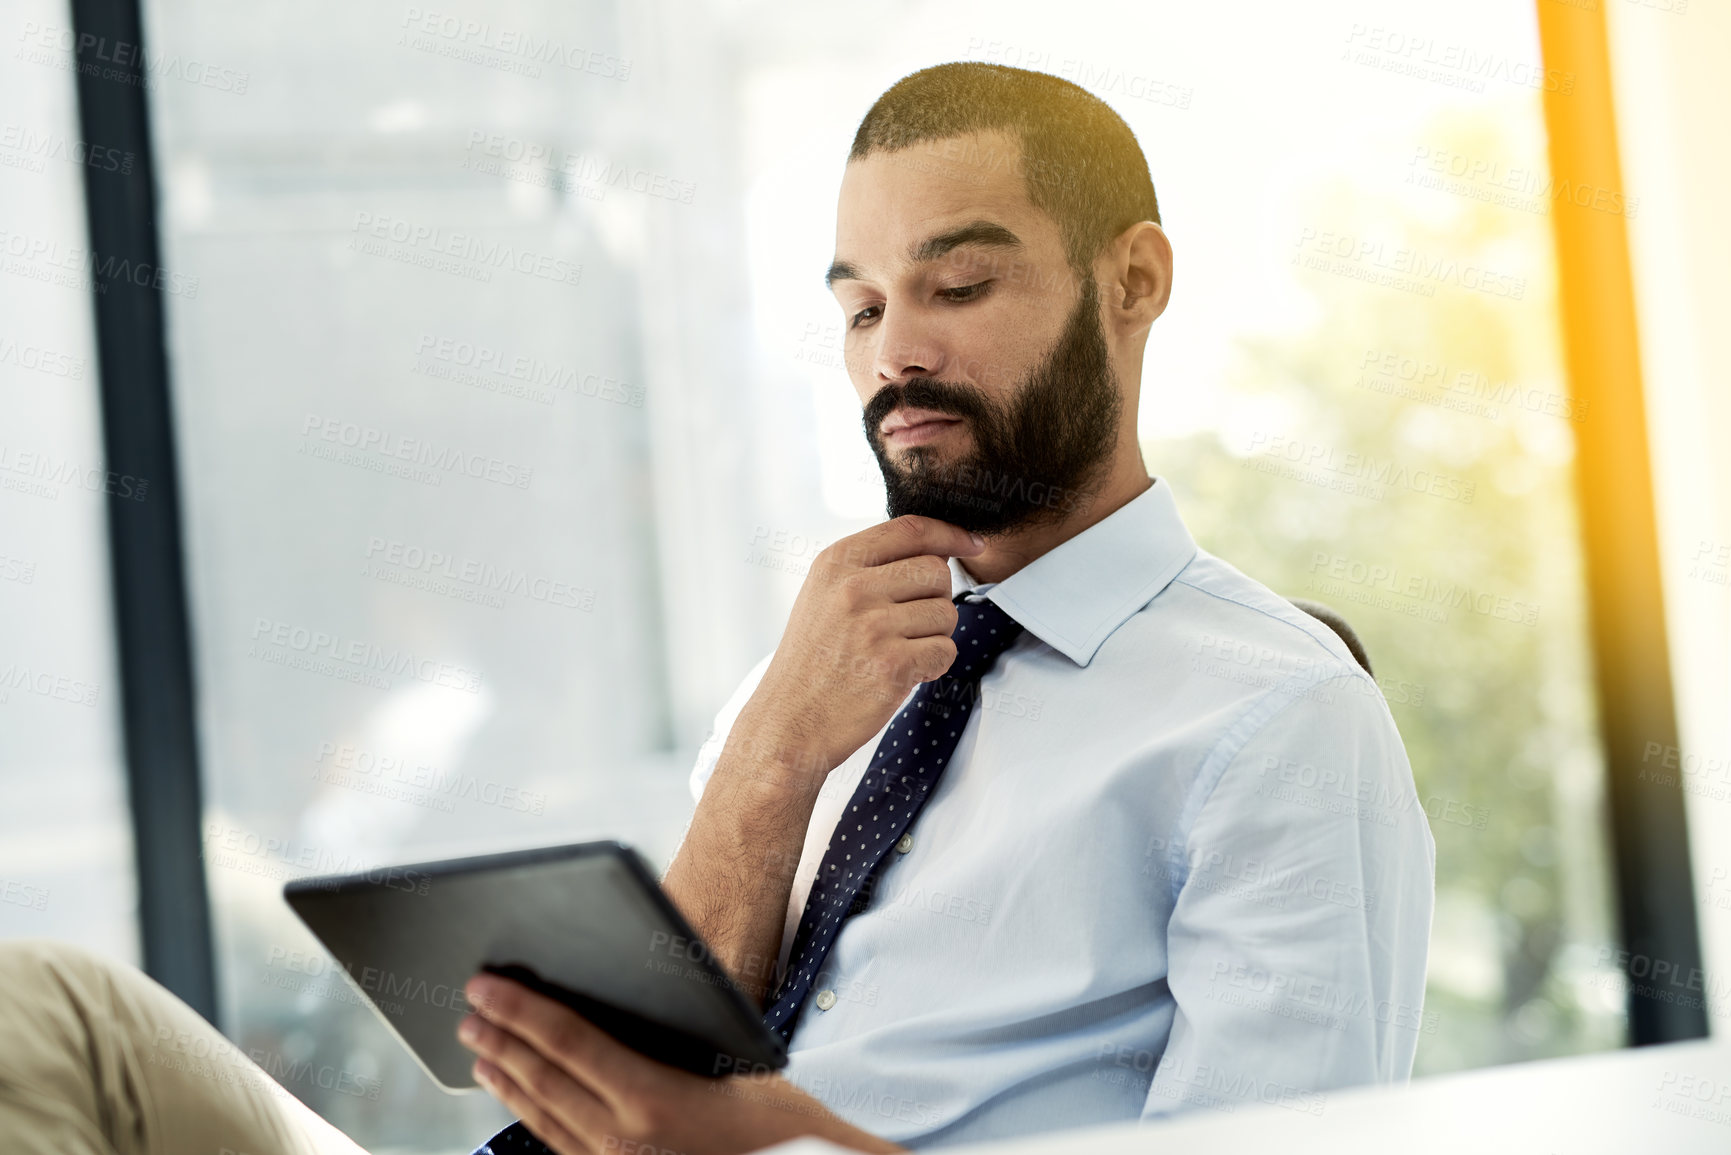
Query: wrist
x=776, y=753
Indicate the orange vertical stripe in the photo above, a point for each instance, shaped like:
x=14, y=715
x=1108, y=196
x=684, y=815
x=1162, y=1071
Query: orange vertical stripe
x=1632, y=672
x=1596, y=294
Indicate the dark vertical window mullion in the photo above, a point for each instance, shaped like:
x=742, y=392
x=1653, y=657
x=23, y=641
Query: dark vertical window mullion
x=153, y=644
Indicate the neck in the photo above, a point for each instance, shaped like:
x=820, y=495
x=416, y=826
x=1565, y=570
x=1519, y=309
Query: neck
x=1005, y=555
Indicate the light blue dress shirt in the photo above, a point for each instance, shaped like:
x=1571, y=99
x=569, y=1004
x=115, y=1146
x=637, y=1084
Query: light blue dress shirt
x=1177, y=861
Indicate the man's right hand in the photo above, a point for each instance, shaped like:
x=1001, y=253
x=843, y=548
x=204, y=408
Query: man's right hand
x=872, y=621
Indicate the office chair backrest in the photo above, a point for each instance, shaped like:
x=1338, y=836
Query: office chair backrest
x=1335, y=622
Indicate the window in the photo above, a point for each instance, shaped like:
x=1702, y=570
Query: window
x=65, y=843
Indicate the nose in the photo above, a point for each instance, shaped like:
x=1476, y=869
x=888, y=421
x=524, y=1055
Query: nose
x=907, y=347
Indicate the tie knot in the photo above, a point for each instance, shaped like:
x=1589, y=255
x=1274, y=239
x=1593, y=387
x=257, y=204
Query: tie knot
x=983, y=631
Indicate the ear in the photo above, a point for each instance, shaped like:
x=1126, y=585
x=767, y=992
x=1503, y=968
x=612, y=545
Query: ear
x=1137, y=277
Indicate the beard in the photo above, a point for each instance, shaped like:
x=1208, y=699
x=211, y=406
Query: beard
x=1036, y=456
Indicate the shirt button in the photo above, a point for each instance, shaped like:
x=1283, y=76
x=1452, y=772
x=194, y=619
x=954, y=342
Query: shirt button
x=904, y=844
x=825, y=1000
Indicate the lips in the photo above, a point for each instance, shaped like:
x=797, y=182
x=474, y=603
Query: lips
x=904, y=419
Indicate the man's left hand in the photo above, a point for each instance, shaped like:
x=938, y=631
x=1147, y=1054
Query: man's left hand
x=583, y=1093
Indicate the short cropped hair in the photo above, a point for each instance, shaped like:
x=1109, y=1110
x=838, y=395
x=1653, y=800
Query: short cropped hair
x=1080, y=162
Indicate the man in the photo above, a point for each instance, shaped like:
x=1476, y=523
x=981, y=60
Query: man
x=1038, y=816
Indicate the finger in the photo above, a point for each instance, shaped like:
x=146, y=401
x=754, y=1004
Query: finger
x=573, y=1103
x=908, y=579
x=906, y=664
x=926, y=618
x=908, y=536
x=553, y=1030
x=931, y=658
x=523, y=1105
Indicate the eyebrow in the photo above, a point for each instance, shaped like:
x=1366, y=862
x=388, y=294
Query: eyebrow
x=986, y=234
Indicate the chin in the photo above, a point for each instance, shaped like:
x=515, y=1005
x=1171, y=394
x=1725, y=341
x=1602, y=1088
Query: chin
x=932, y=456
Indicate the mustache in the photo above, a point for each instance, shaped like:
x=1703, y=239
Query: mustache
x=944, y=397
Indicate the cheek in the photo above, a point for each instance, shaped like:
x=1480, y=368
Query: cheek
x=990, y=371
x=860, y=376
x=996, y=350
x=994, y=363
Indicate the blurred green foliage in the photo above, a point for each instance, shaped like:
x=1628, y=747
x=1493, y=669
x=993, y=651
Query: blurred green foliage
x=1407, y=459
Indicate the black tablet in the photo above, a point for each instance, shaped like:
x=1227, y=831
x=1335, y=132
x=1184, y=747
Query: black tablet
x=585, y=924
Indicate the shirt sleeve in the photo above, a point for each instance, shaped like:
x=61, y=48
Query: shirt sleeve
x=709, y=753
x=1302, y=915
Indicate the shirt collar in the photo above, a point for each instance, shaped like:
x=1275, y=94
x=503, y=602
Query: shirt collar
x=1075, y=595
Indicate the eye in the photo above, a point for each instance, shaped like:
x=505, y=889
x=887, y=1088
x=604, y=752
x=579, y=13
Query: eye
x=861, y=317
x=965, y=292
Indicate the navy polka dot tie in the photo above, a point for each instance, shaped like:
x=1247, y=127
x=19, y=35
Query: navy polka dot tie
x=905, y=770
x=513, y=1140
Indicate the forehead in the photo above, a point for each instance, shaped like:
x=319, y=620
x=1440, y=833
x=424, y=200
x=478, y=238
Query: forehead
x=892, y=200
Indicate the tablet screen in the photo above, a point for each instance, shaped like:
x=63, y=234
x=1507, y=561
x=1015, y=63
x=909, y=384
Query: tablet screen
x=586, y=924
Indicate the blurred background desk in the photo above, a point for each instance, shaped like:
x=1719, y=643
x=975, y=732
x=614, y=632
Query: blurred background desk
x=1673, y=1099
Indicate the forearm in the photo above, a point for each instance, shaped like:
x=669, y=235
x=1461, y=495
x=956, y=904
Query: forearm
x=734, y=872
